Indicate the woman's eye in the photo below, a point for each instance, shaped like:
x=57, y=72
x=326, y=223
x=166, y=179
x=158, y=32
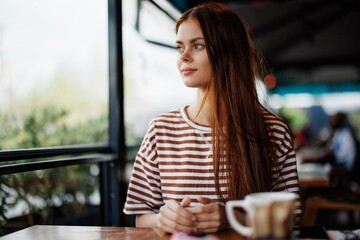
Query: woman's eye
x=180, y=49
x=199, y=46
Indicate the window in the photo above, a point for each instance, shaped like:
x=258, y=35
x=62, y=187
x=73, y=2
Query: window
x=60, y=133
x=152, y=83
x=53, y=73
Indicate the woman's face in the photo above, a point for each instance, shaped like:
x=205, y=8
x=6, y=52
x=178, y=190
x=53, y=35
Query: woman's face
x=193, y=62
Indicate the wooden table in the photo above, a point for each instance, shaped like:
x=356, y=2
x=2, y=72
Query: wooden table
x=313, y=180
x=313, y=175
x=50, y=232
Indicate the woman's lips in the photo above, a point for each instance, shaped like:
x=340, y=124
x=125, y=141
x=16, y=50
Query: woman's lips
x=187, y=71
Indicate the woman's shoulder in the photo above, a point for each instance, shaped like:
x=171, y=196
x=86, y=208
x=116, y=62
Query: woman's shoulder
x=275, y=122
x=174, y=113
x=171, y=117
x=279, y=132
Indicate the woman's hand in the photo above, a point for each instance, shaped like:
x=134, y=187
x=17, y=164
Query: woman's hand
x=211, y=216
x=175, y=217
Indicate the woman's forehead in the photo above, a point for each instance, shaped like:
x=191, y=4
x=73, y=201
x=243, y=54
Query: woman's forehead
x=190, y=26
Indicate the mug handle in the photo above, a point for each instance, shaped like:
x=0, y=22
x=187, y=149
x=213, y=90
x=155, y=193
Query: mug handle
x=244, y=230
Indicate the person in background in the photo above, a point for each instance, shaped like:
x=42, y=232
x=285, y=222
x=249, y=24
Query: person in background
x=222, y=147
x=302, y=137
x=343, y=146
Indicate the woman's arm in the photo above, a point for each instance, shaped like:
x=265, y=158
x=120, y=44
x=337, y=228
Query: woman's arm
x=147, y=220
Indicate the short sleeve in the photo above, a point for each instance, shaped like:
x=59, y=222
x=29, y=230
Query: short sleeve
x=144, y=191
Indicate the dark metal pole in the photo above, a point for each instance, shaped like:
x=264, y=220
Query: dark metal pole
x=112, y=177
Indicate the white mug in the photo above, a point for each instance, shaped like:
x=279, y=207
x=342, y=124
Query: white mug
x=269, y=214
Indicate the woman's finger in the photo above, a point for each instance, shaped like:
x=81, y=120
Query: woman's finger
x=175, y=213
x=203, y=200
x=179, y=212
x=186, y=202
x=171, y=226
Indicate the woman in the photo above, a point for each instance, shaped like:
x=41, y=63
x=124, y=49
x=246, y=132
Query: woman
x=224, y=146
x=343, y=148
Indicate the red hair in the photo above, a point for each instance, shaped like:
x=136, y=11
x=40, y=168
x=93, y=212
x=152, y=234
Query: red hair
x=242, y=151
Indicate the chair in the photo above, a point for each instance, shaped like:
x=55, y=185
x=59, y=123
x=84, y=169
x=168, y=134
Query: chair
x=337, y=197
x=316, y=203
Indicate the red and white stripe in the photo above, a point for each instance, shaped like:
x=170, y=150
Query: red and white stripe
x=175, y=161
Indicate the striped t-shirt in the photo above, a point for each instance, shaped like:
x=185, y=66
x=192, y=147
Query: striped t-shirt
x=175, y=161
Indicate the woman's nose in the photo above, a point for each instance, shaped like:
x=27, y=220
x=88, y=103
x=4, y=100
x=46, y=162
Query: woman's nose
x=186, y=56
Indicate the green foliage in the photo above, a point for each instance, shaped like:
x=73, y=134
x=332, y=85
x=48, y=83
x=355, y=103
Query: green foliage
x=48, y=127
x=42, y=190
x=295, y=117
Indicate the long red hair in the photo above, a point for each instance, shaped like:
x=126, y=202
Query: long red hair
x=242, y=150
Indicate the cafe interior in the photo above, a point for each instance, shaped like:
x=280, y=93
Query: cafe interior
x=80, y=81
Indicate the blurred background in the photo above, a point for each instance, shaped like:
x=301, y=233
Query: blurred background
x=62, y=63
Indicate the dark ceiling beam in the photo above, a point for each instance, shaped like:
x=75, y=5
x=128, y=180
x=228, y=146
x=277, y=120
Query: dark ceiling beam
x=309, y=30
x=294, y=15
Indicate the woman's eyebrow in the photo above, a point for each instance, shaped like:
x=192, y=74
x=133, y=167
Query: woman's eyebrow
x=195, y=39
x=191, y=40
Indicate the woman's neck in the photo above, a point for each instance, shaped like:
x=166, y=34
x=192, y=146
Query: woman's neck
x=199, y=112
